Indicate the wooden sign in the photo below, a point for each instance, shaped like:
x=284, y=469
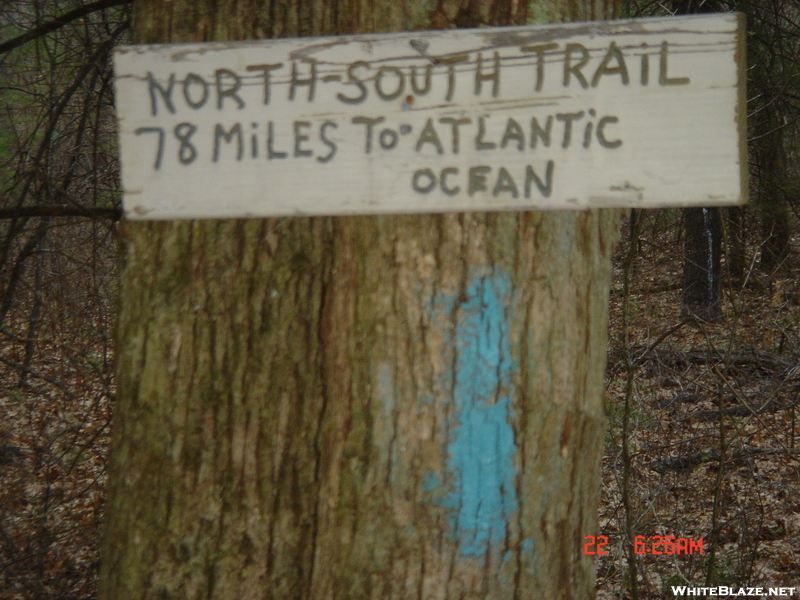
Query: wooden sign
x=641, y=113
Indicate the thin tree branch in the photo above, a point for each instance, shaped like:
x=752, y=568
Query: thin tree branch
x=37, y=375
x=58, y=23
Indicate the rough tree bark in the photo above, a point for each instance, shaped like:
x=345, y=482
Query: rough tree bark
x=357, y=407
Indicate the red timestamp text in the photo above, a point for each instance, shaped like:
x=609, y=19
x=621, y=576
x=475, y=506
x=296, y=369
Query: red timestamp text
x=656, y=544
x=595, y=544
x=667, y=544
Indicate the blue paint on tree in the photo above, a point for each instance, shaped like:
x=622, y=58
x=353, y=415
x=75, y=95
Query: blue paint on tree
x=431, y=482
x=527, y=547
x=480, y=493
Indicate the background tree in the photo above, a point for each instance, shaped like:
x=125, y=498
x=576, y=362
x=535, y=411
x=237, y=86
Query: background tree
x=357, y=407
x=702, y=273
x=774, y=81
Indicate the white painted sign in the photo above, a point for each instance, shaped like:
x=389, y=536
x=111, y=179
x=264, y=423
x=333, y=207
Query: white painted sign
x=641, y=113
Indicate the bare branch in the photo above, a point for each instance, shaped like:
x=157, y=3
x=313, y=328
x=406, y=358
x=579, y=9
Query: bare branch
x=59, y=22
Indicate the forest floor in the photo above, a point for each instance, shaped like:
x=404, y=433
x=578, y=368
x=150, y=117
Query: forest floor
x=713, y=437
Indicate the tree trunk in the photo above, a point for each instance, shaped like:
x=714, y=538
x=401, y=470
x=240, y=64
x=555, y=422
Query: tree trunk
x=702, y=281
x=772, y=198
x=357, y=407
x=770, y=117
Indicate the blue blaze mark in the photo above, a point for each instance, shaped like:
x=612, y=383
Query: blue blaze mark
x=481, y=495
x=527, y=547
x=431, y=482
